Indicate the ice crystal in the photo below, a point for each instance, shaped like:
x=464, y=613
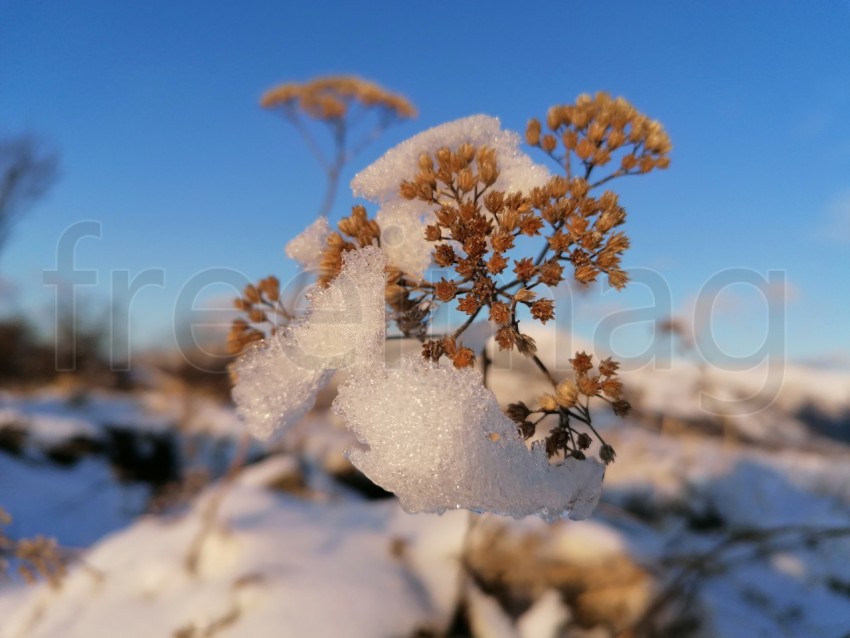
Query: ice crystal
x=403, y=237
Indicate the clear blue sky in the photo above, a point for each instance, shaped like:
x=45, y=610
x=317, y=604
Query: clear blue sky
x=153, y=107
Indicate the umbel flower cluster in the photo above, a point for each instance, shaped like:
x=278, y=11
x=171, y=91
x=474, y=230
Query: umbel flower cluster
x=457, y=208
x=331, y=98
x=353, y=111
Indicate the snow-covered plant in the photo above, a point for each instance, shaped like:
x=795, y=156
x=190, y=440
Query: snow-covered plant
x=353, y=110
x=454, y=205
x=34, y=557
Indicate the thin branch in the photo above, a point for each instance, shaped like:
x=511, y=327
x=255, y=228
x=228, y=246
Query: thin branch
x=467, y=323
x=694, y=567
x=486, y=362
x=619, y=173
x=312, y=144
x=382, y=125
x=330, y=191
x=544, y=370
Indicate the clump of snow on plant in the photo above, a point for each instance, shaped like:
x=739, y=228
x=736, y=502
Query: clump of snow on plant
x=345, y=324
x=447, y=445
x=272, y=391
x=346, y=321
x=307, y=247
x=403, y=236
x=517, y=172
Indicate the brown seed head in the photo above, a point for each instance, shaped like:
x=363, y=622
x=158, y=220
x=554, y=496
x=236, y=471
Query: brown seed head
x=433, y=232
x=532, y=132
x=408, y=190
x=585, y=149
x=488, y=172
x=618, y=278
x=251, y=294
x=432, y=350
x=607, y=454
x=566, y=394
x=496, y=264
x=531, y=225
x=468, y=304
x=524, y=295
x=551, y=273
x=502, y=241
x=612, y=388
x=506, y=338
x=270, y=287
x=586, y=274
x=464, y=358
x=588, y=386
x=465, y=180
x=518, y=412
x=548, y=403
x=525, y=268
x=500, y=313
x=494, y=201
x=242, y=304
x=525, y=344
x=608, y=367
x=628, y=162
x=543, y=310
x=444, y=255
x=582, y=362
x=622, y=408
x=445, y=290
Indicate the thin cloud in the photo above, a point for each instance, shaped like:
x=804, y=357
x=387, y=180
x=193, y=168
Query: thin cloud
x=836, y=225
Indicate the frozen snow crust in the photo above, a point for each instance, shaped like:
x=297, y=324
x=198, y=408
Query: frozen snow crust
x=436, y=437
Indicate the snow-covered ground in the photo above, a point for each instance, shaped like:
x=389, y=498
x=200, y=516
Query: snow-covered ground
x=709, y=525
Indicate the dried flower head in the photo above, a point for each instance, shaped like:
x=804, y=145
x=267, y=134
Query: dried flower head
x=36, y=557
x=332, y=97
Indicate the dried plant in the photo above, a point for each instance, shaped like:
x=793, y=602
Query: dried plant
x=26, y=173
x=37, y=557
x=355, y=112
x=685, y=575
x=469, y=204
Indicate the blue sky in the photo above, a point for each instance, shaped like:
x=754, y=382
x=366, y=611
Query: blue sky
x=153, y=108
